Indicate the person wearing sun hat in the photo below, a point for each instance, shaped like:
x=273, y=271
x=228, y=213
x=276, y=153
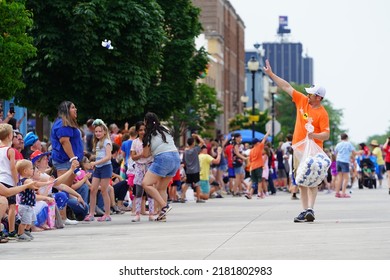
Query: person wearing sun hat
x=309, y=111
x=377, y=152
x=36, y=155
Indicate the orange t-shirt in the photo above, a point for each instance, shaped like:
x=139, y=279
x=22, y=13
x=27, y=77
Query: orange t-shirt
x=304, y=112
x=256, y=156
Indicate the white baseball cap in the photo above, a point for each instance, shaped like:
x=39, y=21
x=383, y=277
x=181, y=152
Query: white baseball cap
x=317, y=90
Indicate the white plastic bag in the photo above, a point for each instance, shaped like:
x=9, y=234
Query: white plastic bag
x=313, y=162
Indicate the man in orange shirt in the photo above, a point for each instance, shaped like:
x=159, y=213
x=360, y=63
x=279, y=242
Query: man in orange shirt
x=256, y=164
x=309, y=109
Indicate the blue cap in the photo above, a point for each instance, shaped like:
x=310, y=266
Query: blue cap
x=30, y=139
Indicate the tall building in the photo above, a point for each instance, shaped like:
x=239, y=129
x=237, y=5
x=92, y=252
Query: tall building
x=224, y=36
x=287, y=59
x=288, y=62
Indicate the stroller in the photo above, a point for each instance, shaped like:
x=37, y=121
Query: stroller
x=367, y=179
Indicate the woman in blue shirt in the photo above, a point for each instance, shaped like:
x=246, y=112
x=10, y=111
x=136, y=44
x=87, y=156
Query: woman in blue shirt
x=67, y=143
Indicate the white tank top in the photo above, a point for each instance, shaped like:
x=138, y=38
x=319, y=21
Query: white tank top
x=5, y=167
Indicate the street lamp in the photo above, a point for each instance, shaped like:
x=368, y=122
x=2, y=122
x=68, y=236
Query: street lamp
x=244, y=99
x=253, y=66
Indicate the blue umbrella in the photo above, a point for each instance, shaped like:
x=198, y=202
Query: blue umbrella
x=247, y=135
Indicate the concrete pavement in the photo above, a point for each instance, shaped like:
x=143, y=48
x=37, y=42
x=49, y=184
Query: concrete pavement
x=228, y=229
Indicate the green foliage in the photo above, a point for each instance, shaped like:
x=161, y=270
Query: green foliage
x=199, y=113
x=174, y=86
x=241, y=121
x=15, y=46
x=72, y=65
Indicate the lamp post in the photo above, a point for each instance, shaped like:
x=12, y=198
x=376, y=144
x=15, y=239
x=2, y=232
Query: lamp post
x=244, y=100
x=253, y=66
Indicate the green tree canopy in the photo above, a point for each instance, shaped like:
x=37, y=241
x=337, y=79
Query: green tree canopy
x=199, y=114
x=15, y=46
x=175, y=84
x=73, y=65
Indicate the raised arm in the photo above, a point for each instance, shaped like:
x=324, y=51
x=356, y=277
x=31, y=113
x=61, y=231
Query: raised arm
x=282, y=84
x=265, y=137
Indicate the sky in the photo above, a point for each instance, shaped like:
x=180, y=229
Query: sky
x=349, y=42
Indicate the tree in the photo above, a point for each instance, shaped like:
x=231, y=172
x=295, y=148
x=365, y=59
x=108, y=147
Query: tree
x=15, y=46
x=199, y=114
x=174, y=86
x=73, y=65
x=241, y=121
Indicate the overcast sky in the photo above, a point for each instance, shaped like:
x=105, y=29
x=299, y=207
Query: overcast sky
x=350, y=44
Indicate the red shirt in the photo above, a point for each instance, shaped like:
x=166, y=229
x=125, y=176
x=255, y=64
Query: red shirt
x=229, y=155
x=18, y=155
x=177, y=176
x=387, y=152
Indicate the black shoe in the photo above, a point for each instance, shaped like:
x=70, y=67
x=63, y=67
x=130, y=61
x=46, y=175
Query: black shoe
x=12, y=235
x=300, y=218
x=309, y=217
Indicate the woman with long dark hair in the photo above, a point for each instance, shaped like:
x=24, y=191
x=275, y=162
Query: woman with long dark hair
x=158, y=142
x=67, y=143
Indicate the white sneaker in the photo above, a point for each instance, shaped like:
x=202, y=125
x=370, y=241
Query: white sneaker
x=70, y=222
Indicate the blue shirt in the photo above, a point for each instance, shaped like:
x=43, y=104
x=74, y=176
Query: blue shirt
x=343, y=151
x=126, y=146
x=57, y=132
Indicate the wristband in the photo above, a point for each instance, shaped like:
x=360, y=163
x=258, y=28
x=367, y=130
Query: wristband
x=73, y=158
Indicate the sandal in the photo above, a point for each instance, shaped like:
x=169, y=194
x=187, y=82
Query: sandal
x=162, y=219
x=89, y=218
x=136, y=219
x=164, y=211
x=3, y=238
x=104, y=218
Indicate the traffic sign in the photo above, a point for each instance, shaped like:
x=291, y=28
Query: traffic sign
x=277, y=127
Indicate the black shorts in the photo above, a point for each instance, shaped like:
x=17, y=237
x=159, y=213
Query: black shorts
x=11, y=199
x=388, y=166
x=193, y=179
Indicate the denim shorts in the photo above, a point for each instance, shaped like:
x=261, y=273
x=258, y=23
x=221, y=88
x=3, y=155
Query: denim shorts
x=204, y=186
x=239, y=170
x=103, y=172
x=342, y=167
x=223, y=167
x=61, y=165
x=165, y=164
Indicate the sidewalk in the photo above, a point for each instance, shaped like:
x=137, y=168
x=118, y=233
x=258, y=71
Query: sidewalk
x=230, y=228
